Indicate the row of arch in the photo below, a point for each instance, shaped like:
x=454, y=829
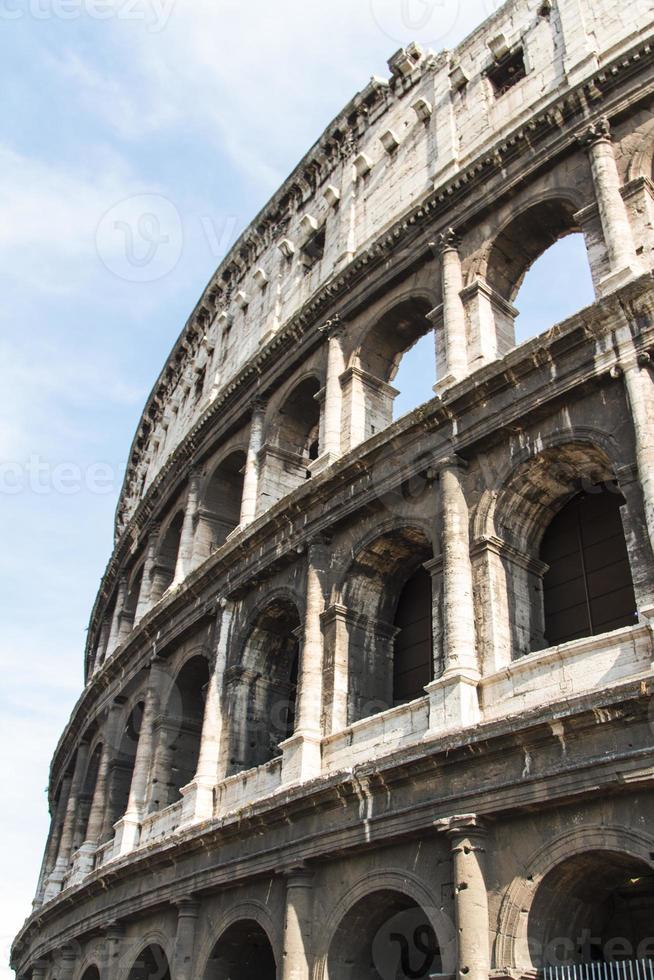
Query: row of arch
x=293, y=433
x=592, y=906
x=566, y=574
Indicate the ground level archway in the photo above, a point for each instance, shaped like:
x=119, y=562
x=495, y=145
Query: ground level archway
x=243, y=952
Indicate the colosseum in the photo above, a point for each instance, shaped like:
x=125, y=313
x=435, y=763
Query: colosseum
x=370, y=697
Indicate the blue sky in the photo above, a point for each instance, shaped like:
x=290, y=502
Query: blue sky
x=203, y=106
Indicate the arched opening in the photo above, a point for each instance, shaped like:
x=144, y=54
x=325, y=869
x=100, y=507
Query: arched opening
x=559, y=284
x=556, y=286
x=391, y=650
x=384, y=936
x=413, y=645
x=399, y=348
x=243, y=952
x=415, y=376
x=179, y=734
x=587, y=588
x=164, y=570
x=121, y=770
x=525, y=507
x=264, y=687
x=293, y=444
x=85, y=799
x=128, y=614
x=593, y=908
x=220, y=510
x=91, y=973
x=152, y=964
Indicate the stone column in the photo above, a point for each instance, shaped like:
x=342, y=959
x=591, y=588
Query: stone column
x=301, y=752
x=623, y=261
x=144, y=603
x=640, y=391
x=297, y=955
x=40, y=969
x=331, y=450
x=453, y=315
x=184, y=563
x=251, y=478
x=458, y=611
x=188, y=911
x=114, y=632
x=453, y=697
x=66, y=963
x=114, y=939
x=95, y=823
x=198, y=796
x=52, y=848
x=102, y=644
x=468, y=842
x=67, y=834
x=335, y=622
x=128, y=828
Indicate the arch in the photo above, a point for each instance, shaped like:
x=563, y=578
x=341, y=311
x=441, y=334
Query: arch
x=90, y=971
x=642, y=158
x=518, y=512
x=180, y=732
x=375, y=362
x=166, y=558
x=374, y=584
x=152, y=963
x=85, y=798
x=220, y=504
x=262, y=686
x=242, y=952
x=512, y=946
x=249, y=910
x=403, y=903
x=525, y=236
x=293, y=441
x=121, y=768
x=587, y=588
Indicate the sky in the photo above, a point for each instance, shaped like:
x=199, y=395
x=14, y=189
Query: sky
x=194, y=111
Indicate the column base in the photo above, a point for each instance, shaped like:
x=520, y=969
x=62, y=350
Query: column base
x=448, y=381
x=301, y=758
x=54, y=883
x=128, y=833
x=453, y=702
x=83, y=862
x=198, y=802
x=322, y=463
x=615, y=280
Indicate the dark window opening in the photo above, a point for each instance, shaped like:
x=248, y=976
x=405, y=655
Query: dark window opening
x=588, y=588
x=199, y=385
x=510, y=70
x=412, y=654
x=314, y=249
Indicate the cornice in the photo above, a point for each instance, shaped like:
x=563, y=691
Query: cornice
x=569, y=779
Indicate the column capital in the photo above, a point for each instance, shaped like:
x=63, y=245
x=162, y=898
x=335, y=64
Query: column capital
x=447, y=241
x=453, y=462
x=297, y=875
x=461, y=825
x=188, y=907
x=334, y=327
x=258, y=404
x=599, y=131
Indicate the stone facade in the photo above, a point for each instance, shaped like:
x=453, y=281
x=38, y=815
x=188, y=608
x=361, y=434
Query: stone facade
x=249, y=784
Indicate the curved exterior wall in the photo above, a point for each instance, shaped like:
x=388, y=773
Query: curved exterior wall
x=236, y=760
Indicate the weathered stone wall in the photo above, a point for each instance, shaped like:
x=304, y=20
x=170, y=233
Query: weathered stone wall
x=238, y=770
